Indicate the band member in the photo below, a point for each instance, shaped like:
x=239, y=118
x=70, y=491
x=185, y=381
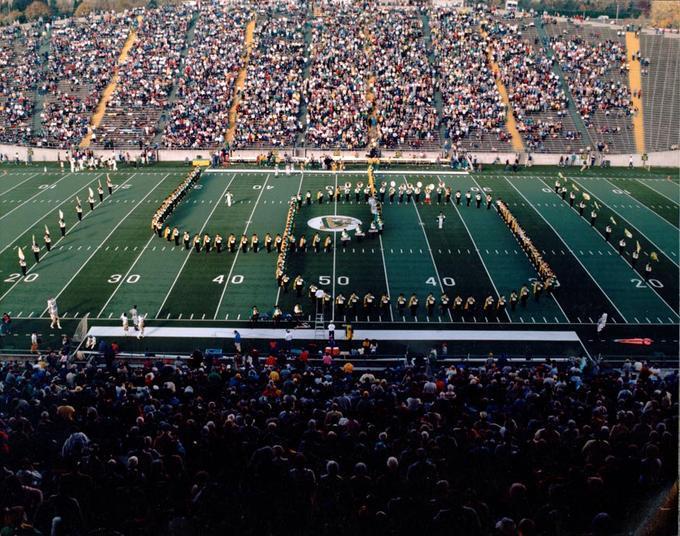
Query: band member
x=593, y=218
x=581, y=208
x=340, y=304
x=302, y=243
x=207, y=243
x=347, y=190
x=175, y=236
x=278, y=242
x=218, y=243
x=572, y=198
x=186, y=238
x=344, y=239
x=458, y=196
x=401, y=193
x=444, y=303
x=292, y=243
x=439, y=195
x=391, y=194
x=447, y=195
x=298, y=285
x=316, y=243
x=109, y=184
x=62, y=227
x=488, y=202
x=79, y=210
x=468, y=198
x=500, y=305
x=622, y=246
x=413, y=305
x=244, y=243
x=255, y=315
x=488, y=304
x=478, y=199
x=401, y=304
x=36, y=251
x=100, y=192
x=268, y=242
x=308, y=198
x=430, y=302
x=523, y=296
x=607, y=232
x=90, y=199
x=327, y=244
x=383, y=189
x=457, y=304
x=197, y=243
x=357, y=193
x=230, y=198
x=384, y=305
x=368, y=304
x=53, y=311
x=513, y=300
x=48, y=240
x=255, y=243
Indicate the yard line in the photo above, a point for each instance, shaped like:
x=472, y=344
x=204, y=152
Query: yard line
x=120, y=283
x=32, y=197
x=569, y=248
x=551, y=294
x=53, y=210
x=42, y=256
x=429, y=249
x=498, y=294
x=278, y=292
x=245, y=230
x=608, y=205
x=191, y=251
x=19, y=184
x=105, y=240
x=644, y=183
x=335, y=242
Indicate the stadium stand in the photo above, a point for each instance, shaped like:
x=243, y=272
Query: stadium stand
x=268, y=112
x=413, y=79
x=200, y=114
x=594, y=62
x=82, y=56
x=473, y=111
x=335, y=92
x=146, y=79
x=404, y=83
x=19, y=67
x=208, y=447
x=660, y=83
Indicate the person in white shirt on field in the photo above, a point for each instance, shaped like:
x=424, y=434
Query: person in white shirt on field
x=140, y=325
x=126, y=323
x=53, y=310
x=134, y=315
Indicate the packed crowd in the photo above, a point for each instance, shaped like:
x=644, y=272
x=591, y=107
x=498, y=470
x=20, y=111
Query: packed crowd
x=472, y=106
x=336, y=90
x=286, y=447
x=19, y=78
x=82, y=57
x=200, y=115
x=404, y=80
x=533, y=88
x=147, y=75
x=268, y=112
x=596, y=71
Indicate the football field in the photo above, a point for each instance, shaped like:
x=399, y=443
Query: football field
x=111, y=260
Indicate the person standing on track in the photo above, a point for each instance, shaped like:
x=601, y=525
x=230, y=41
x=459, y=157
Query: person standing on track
x=134, y=315
x=126, y=323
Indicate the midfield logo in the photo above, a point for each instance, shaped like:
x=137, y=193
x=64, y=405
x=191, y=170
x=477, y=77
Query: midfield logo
x=334, y=224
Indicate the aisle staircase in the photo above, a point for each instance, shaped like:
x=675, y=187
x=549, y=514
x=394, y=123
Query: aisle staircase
x=111, y=87
x=303, y=119
x=240, y=81
x=39, y=98
x=635, y=82
x=573, y=109
x=510, y=121
x=438, y=100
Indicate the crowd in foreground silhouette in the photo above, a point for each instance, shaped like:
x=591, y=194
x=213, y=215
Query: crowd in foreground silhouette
x=290, y=448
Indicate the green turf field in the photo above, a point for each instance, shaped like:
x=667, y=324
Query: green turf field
x=111, y=260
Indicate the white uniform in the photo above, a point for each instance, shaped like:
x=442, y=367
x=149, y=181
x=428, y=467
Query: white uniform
x=54, y=313
x=230, y=198
x=126, y=322
x=135, y=317
x=440, y=221
x=140, y=334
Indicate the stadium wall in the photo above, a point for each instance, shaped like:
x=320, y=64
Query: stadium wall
x=657, y=159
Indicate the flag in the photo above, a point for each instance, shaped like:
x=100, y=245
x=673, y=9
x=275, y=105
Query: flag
x=21, y=254
x=90, y=192
x=654, y=256
x=597, y=206
x=638, y=247
x=47, y=231
x=77, y=200
x=628, y=233
x=561, y=176
x=61, y=215
x=586, y=196
x=100, y=183
x=575, y=187
x=611, y=219
x=34, y=240
x=602, y=322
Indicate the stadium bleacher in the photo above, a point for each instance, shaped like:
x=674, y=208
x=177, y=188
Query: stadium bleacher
x=404, y=58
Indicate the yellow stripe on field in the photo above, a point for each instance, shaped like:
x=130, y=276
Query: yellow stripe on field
x=98, y=114
x=510, y=122
x=635, y=82
x=240, y=81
